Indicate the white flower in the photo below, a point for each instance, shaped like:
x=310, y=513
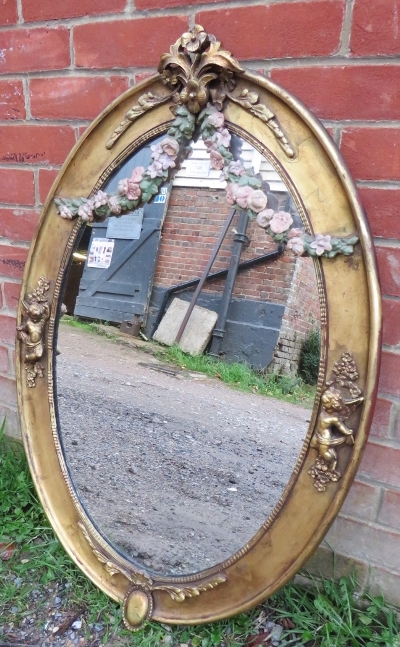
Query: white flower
x=264, y=217
x=221, y=138
x=100, y=199
x=296, y=244
x=85, y=211
x=257, y=201
x=114, y=205
x=321, y=244
x=236, y=168
x=123, y=186
x=65, y=212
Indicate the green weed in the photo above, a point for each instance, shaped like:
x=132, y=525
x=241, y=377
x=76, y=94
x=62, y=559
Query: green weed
x=328, y=616
x=333, y=615
x=241, y=376
x=310, y=357
x=238, y=376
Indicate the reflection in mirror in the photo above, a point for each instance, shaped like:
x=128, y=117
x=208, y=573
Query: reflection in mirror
x=176, y=468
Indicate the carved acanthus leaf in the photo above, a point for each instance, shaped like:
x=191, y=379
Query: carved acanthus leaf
x=250, y=102
x=179, y=594
x=146, y=102
x=143, y=581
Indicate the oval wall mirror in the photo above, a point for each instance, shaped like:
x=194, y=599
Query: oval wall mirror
x=207, y=210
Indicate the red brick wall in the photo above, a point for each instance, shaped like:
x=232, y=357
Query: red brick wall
x=302, y=314
x=191, y=228
x=61, y=62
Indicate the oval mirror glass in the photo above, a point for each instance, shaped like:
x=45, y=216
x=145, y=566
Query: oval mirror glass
x=176, y=467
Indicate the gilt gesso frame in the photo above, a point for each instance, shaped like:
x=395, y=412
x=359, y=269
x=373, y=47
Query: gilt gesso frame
x=294, y=141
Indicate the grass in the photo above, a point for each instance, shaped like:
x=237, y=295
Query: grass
x=238, y=376
x=329, y=615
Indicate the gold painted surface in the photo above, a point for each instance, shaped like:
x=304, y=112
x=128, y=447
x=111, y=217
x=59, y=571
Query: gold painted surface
x=328, y=200
x=136, y=609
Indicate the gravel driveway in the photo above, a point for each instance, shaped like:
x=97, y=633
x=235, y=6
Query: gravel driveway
x=179, y=471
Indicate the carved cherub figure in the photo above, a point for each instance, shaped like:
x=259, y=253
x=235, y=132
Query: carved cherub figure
x=334, y=410
x=32, y=330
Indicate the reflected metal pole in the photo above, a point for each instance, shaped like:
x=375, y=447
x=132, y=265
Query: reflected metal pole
x=239, y=239
x=204, y=275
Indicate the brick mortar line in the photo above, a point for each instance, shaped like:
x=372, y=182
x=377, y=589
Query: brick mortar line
x=390, y=443
x=252, y=65
x=20, y=13
x=35, y=121
x=27, y=98
x=70, y=23
x=130, y=13
x=346, y=27
x=394, y=399
x=7, y=405
x=27, y=167
x=390, y=348
x=76, y=72
x=378, y=484
x=393, y=423
x=391, y=297
x=379, y=504
x=378, y=184
x=12, y=378
x=8, y=205
x=387, y=243
x=327, y=123
x=7, y=242
x=372, y=524
x=9, y=279
x=8, y=312
x=334, y=60
x=36, y=187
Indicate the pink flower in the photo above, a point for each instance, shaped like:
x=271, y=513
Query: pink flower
x=321, y=244
x=295, y=233
x=264, y=217
x=216, y=119
x=242, y=196
x=296, y=244
x=134, y=191
x=280, y=222
x=236, y=168
x=114, y=205
x=231, y=191
x=137, y=174
x=100, y=199
x=85, y=211
x=169, y=146
x=217, y=161
x=257, y=201
x=210, y=145
x=221, y=138
x=65, y=212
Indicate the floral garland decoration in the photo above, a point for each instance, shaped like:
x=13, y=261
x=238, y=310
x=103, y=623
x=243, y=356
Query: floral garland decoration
x=243, y=188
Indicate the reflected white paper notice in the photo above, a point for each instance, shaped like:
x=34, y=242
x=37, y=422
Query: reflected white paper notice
x=128, y=226
x=100, y=253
